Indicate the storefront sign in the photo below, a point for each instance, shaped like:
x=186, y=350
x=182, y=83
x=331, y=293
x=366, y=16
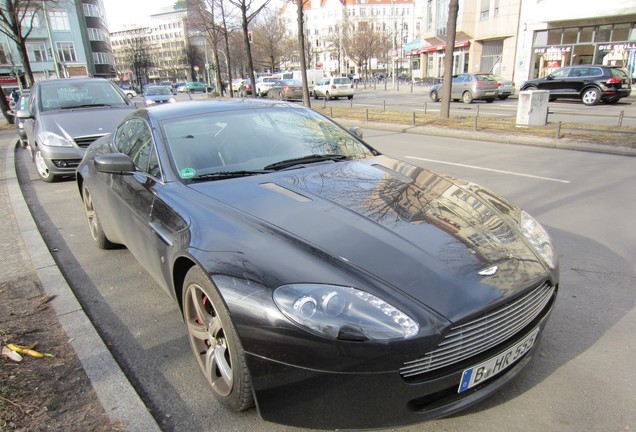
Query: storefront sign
x=553, y=50
x=622, y=46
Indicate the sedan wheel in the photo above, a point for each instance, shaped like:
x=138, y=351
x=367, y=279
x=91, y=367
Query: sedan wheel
x=42, y=169
x=93, y=222
x=215, y=342
x=467, y=97
x=434, y=96
x=591, y=96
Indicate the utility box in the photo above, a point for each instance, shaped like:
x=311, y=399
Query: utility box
x=532, y=109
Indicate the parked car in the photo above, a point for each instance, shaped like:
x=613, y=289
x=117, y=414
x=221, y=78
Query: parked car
x=236, y=84
x=158, y=95
x=19, y=122
x=128, y=90
x=468, y=87
x=505, y=87
x=589, y=83
x=64, y=116
x=315, y=275
x=193, y=87
x=263, y=84
x=245, y=88
x=334, y=88
x=177, y=85
x=288, y=89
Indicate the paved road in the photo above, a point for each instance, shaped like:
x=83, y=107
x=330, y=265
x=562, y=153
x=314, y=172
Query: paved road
x=582, y=378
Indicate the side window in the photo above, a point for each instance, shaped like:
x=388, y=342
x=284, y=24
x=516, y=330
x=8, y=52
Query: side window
x=123, y=141
x=562, y=73
x=596, y=72
x=134, y=139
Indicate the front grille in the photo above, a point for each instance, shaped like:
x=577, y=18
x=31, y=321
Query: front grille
x=85, y=141
x=483, y=333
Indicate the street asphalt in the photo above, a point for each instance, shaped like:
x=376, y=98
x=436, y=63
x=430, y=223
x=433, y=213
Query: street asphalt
x=24, y=251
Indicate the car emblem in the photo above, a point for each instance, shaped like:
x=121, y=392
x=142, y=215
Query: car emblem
x=489, y=271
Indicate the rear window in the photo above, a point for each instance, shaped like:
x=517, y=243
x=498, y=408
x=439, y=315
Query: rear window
x=619, y=73
x=484, y=78
x=342, y=81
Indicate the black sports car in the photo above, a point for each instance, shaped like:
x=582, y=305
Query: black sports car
x=327, y=284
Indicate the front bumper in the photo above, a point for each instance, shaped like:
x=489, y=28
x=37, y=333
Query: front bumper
x=61, y=160
x=312, y=398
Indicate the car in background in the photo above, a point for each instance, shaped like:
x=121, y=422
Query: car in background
x=193, y=87
x=245, y=88
x=468, y=87
x=589, y=83
x=158, y=94
x=263, y=84
x=286, y=89
x=175, y=86
x=334, y=88
x=19, y=122
x=319, y=279
x=64, y=116
x=505, y=87
x=236, y=84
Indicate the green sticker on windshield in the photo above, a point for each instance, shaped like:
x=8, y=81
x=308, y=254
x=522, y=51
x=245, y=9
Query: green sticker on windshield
x=187, y=173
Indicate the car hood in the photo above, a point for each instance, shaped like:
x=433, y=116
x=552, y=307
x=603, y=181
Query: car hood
x=82, y=122
x=435, y=238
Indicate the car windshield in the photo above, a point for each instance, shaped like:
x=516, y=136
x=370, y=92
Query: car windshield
x=291, y=82
x=485, y=78
x=155, y=91
x=254, y=141
x=69, y=94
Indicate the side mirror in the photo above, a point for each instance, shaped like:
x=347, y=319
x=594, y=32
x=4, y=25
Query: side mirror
x=355, y=130
x=114, y=163
x=549, y=77
x=23, y=114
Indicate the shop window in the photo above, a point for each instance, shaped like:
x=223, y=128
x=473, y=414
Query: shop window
x=586, y=34
x=603, y=33
x=569, y=35
x=621, y=32
x=540, y=38
x=632, y=34
x=554, y=36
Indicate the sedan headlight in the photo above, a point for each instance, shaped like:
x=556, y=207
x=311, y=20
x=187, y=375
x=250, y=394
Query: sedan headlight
x=54, y=140
x=539, y=238
x=172, y=100
x=343, y=313
x=149, y=102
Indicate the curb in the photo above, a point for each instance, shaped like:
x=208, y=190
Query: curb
x=116, y=394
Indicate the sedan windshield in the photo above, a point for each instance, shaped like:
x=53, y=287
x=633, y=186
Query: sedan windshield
x=155, y=91
x=81, y=94
x=256, y=141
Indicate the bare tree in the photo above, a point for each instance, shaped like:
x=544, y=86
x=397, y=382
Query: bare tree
x=365, y=44
x=203, y=17
x=17, y=20
x=301, y=48
x=271, y=37
x=248, y=13
x=453, y=9
x=137, y=56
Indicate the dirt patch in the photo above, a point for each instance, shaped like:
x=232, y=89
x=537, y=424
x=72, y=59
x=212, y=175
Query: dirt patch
x=50, y=393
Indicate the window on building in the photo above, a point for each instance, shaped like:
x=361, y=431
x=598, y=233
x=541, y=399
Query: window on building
x=66, y=52
x=59, y=21
x=102, y=58
x=95, y=34
x=441, y=21
x=31, y=20
x=603, y=33
x=3, y=55
x=484, y=10
x=554, y=36
x=36, y=51
x=570, y=35
x=586, y=34
x=495, y=9
x=429, y=15
x=621, y=32
x=92, y=10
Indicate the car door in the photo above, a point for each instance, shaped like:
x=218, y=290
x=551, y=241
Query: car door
x=458, y=86
x=133, y=197
x=558, y=83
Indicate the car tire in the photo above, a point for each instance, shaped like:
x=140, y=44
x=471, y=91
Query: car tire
x=280, y=96
x=434, y=96
x=591, y=96
x=94, y=225
x=467, y=97
x=490, y=100
x=40, y=166
x=350, y=97
x=328, y=96
x=529, y=88
x=503, y=97
x=215, y=341
x=315, y=95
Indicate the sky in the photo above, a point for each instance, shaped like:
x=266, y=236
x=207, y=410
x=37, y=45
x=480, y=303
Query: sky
x=120, y=13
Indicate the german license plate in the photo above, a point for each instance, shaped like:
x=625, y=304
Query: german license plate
x=488, y=369
x=624, y=86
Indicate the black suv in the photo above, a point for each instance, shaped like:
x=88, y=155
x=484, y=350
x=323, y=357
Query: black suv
x=590, y=83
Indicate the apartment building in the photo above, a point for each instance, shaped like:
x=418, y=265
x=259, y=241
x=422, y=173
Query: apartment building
x=67, y=39
x=328, y=23
x=166, y=42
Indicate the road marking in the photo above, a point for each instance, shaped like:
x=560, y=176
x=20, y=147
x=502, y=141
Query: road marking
x=490, y=169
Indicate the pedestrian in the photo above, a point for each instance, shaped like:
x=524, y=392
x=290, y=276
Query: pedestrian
x=15, y=95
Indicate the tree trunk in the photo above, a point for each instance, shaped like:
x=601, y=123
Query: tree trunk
x=4, y=107
x=301, y=46
x=248, y=48
x=453, y=8
x=228, y=60
x=26, y=64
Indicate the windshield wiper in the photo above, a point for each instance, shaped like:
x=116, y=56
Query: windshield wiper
x=313, y=158
x=86, y=106
x=227, y=174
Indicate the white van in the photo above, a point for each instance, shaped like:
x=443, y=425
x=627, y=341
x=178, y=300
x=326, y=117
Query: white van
x=314, y=76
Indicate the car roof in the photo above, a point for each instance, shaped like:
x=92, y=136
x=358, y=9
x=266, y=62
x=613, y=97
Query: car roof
x=70, y=80
x=196, y=107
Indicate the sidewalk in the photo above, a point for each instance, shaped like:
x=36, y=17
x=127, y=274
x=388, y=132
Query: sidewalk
x=25, y=256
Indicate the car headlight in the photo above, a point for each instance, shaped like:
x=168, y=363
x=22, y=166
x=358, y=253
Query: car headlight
x=172, y=100
x=343, y=313
x=539, y=238
x=150, y=102
x=54, y=140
